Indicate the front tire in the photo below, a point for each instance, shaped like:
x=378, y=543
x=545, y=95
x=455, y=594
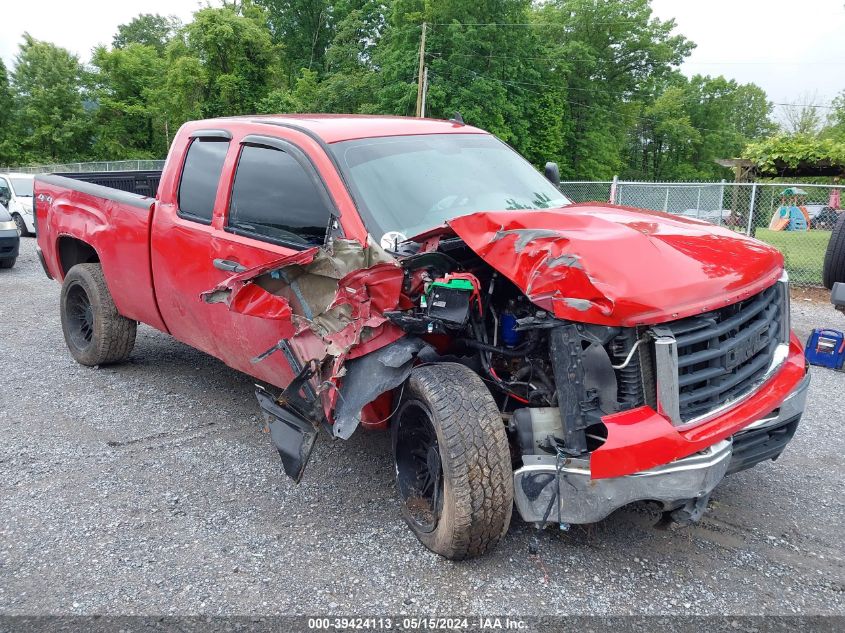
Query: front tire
x=8, y=263
x=95, y=333
x=453, y=464
x=21, y=225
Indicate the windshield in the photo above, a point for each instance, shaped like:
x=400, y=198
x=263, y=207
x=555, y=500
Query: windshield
x=411, y=184
x=22, y=186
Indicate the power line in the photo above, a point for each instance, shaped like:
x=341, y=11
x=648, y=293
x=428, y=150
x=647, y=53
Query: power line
x=533, y=24
x=598, y=90
x=563, y=58
x=806, y=105
x=577, y=103
x=772, y=63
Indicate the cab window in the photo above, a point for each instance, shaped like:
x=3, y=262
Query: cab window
x=277, y=197
x=200, y=177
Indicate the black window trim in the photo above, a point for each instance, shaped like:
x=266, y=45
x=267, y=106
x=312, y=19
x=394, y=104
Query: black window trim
x=310, y=169
x=212, y=134
x=220, y=136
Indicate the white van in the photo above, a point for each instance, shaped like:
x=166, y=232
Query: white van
x=16, y=196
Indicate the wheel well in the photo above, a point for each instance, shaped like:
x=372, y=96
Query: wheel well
x=73, y=251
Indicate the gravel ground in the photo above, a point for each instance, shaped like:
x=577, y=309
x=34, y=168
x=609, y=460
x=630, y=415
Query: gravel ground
x=151, y=488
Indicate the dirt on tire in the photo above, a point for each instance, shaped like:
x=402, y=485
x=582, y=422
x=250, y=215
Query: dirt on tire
x=476, y=461
x=113, y=335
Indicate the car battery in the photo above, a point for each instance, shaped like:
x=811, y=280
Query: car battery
x=826, y=348
x=449, y=299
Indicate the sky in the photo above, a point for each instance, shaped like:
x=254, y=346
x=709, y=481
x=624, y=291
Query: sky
x=790, y=49
x=793, y=50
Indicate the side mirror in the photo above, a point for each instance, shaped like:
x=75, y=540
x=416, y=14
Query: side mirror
x=552, y=173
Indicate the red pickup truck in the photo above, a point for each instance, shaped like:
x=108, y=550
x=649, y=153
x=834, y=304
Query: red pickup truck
x=419, y=275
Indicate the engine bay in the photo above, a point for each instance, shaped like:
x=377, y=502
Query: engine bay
x=552, y=379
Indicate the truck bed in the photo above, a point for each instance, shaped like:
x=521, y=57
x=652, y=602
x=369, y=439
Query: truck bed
x=75, y=215
x=144, y=183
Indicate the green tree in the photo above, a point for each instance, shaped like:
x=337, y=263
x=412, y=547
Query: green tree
x=835, y=127
x=130, y=120
x=804, y=117
x=8, y=146
x=617, y=53
x=690, y=123
x=302, y=98
x=148, y=29
x=304, y=27
x=477, y=67
x=231, y=57
x=668, y=138
x=221, y=63
x=52, y=122
x=351, y=81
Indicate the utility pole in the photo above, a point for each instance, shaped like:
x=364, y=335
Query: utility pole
x=421, y=75
x=425, y=92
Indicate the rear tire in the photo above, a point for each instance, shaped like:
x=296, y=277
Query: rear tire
x=834, y=257
x=453, y=463
x=8, y=263
x=95, y=333
x=21, y=225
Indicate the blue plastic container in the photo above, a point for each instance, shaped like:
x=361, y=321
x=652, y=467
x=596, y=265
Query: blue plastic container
x=826, y=348
x=510, y=335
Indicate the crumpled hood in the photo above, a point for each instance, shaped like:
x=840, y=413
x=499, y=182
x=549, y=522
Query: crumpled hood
x=613, y=265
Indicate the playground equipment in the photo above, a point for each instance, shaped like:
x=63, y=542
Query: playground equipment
x=792, y=213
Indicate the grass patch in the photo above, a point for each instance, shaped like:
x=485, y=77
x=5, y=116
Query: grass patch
x=802, y=250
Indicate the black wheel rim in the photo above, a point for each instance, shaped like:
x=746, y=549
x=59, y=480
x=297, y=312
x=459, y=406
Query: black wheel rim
x=419, y=471
x=80, y=317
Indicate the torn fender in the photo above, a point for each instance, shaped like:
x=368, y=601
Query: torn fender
x=330, y=303
x=228, y=290
x=337, y=293
x=370, y=376
x=616, y=266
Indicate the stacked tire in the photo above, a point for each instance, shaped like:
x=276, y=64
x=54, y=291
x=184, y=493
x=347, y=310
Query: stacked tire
x=834, y=259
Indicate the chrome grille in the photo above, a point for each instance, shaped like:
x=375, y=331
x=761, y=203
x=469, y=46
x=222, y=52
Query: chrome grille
x=722, y=355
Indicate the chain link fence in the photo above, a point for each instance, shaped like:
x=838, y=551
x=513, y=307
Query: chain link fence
x=106, y=165
x=796, y=218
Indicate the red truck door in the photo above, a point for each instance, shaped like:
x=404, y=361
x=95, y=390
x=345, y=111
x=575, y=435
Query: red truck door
x=270, y=203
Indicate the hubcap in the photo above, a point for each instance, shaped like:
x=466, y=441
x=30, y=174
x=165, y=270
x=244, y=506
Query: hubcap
x=419, y=471
x=80, y=317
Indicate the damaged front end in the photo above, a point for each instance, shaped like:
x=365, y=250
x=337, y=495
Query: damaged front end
x=329, y=304
x=606, y=403
x=609, y=391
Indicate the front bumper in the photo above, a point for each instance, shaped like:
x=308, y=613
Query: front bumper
x=10, y=243
x=582, y=499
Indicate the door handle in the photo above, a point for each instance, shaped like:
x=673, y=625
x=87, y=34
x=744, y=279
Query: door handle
x=229, y=266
